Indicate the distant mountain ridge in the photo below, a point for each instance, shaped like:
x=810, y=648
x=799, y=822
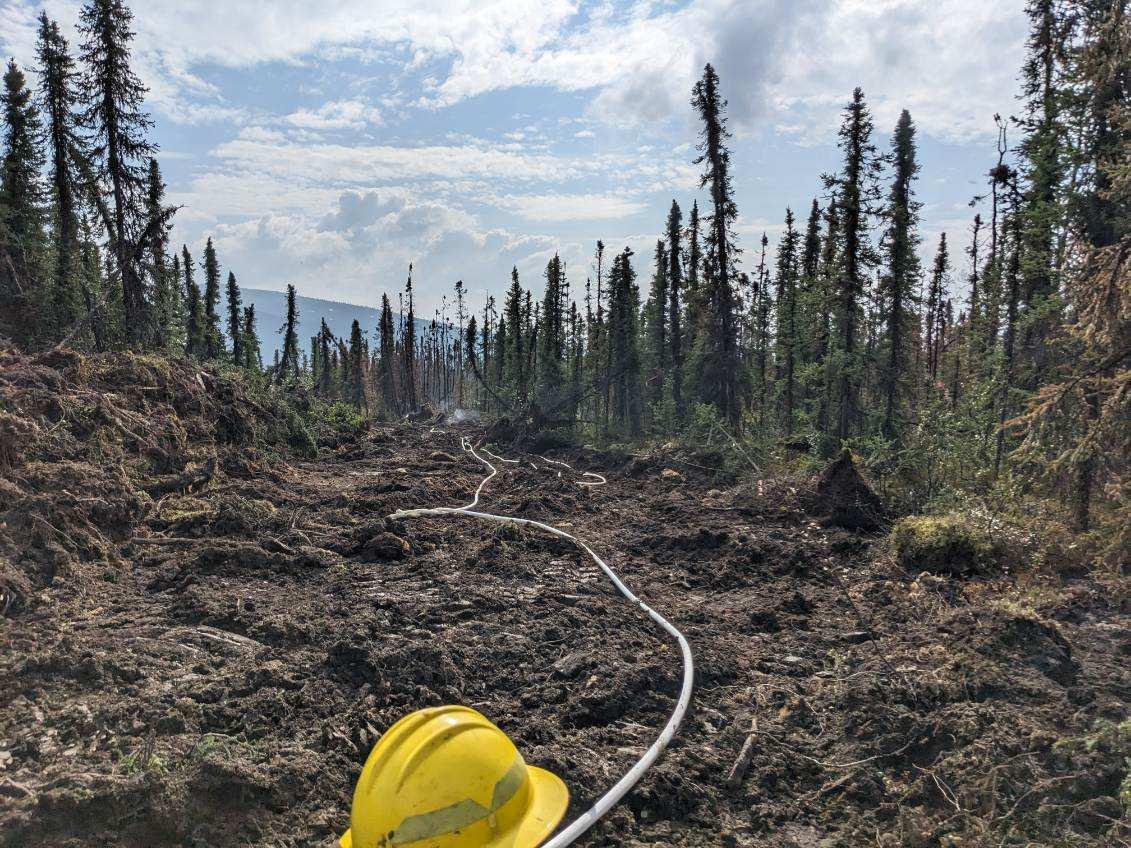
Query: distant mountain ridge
x=271, y=315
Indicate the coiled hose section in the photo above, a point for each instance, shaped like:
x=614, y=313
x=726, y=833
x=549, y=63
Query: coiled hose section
x=606, y=802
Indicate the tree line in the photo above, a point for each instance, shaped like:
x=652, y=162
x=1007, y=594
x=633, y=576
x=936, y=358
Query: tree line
x=1008, y=352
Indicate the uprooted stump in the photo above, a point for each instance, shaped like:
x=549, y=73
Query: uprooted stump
x=843, y=498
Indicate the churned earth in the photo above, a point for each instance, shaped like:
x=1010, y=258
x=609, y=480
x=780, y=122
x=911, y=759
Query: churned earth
x=205, y=633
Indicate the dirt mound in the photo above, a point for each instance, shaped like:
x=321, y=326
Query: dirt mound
x=842, y=497
x=92, y=445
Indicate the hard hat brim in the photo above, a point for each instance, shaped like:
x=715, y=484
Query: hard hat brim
x=549, y=798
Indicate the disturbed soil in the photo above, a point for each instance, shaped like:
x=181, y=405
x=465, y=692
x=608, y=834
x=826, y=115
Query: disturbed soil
x=204, y=635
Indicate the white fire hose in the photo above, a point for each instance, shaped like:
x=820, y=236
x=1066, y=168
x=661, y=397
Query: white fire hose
x=606, y=802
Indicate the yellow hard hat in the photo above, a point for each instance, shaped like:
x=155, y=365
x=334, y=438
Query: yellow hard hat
x=446, y=777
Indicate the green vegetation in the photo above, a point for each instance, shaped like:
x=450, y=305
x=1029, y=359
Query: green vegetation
x=946, y=544
x=1013, y=379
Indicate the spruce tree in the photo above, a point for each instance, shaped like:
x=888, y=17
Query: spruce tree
x=356, y=367
x=550, y=388
x=675, y=284
x=287, y=367
x=1041, y=149
x=1101, y=214
x=808, y=283
x=936, y=300
x=624, y=351
x=902, y=274
x=515, y=368
x=213, y=338
x=408, y=349
x=492, y=352
x=530, y=336
x=576, y=361
x=113, y=97
x=21, y=213
x=857, y=194
x=1012, y=289
x=501, y=346
x=717, y=369
x=387, y=358
x=787, y=341
x=654, y=335
x=235, y=325
x=657, y=326
x=693, y=267
x=825, y=305
x=694, y=263
x=974, y=343
x=166, y=289
x=461, y=316
x=58, y=91
x=194, y=310
x=323, y=361
x=761, y=308
x=96, y=291
x=600, y=352
x=252, y=355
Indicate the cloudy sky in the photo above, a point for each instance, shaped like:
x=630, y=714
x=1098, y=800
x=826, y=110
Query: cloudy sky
x=329, y=144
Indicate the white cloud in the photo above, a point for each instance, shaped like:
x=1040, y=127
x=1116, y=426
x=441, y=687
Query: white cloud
x=953, y=62
x=336, y=115
x=572, y=207
x=363, y=242
x=366, y=164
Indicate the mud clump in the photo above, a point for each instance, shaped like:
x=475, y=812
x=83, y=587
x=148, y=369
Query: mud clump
x=385, y=546
x=376, y=542
x=1041, y=646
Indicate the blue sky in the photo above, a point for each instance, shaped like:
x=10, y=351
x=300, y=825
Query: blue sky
x=330, y=144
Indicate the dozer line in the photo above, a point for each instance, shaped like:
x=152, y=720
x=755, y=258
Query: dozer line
x=621, y=788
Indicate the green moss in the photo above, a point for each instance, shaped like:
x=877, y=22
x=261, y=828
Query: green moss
x=946, y=544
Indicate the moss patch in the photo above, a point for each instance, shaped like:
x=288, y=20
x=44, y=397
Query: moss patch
x=946, y=544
